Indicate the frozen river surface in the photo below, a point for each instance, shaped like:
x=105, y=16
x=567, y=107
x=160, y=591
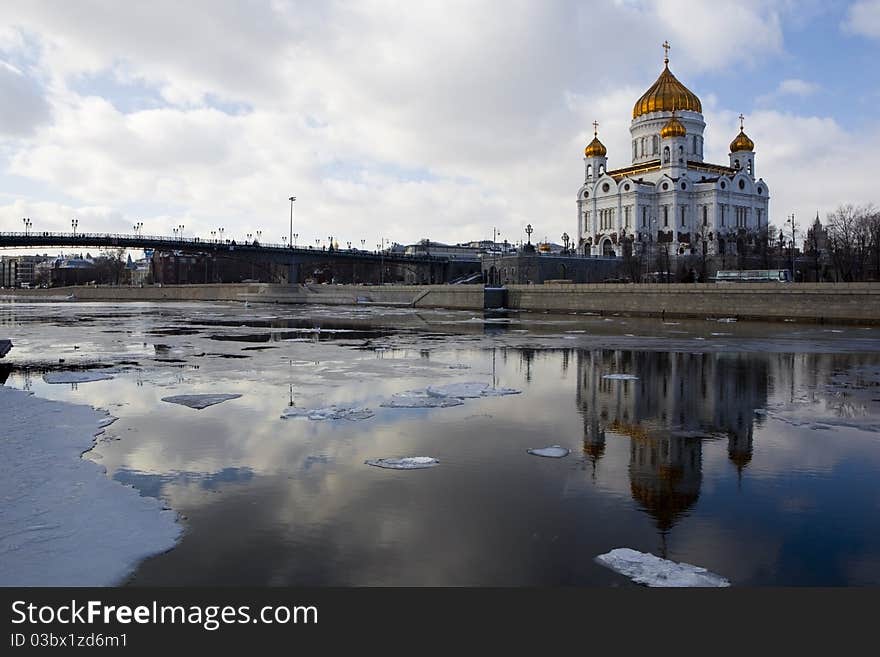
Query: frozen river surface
x=750, y=450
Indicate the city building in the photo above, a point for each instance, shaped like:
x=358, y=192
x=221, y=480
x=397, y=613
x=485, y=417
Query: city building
x=669, y=198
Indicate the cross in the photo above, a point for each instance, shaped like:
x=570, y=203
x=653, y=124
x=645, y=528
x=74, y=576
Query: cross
x=595, y=128
x=666, y=47
x=741, y=119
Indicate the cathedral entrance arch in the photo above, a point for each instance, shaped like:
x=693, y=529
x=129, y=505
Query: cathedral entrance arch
x=608, y=249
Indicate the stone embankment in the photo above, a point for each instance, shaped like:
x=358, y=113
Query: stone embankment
x=832, y=302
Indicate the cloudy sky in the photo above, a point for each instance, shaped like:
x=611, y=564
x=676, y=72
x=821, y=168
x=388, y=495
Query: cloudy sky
x=408, y=120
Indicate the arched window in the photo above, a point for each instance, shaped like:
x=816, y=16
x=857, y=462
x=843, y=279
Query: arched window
x=681, y=153
x=665, y=216
x=694, y=150
x=589, y=171
x=705, y=215
x=601, y=169
x=736, y=164
x=666, y=154
x=655, y=146
x=750, y=166
x=635, y=149
x=643, y=147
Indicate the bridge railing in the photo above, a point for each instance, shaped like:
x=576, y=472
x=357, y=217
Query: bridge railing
x=132, y=239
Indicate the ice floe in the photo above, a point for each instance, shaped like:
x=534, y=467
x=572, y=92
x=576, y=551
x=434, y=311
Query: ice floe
x=78, y=377
x=646, y=568
x=621, y=377
x=553, y=452
x=469, y=390
x=328, y=413
x=69, y=525
x=419, y=399
x=405, y=463
x=199, y=402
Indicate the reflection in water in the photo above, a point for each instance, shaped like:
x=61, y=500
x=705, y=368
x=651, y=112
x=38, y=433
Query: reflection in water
x=678, y=401
x=671, y=461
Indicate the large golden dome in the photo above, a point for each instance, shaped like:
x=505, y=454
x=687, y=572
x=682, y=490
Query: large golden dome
x=665, y=95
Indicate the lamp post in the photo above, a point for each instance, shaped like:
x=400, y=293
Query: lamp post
x=791, y=221
x=27, y=225
x=213, y=235
x=363, y=243
x=74, y=223
x=565, y=240
x=291, y=199
x=284, y=240
x=180, y=226
x=529, y=231
x=137, y=228
x=220, y=231
x=295, y=236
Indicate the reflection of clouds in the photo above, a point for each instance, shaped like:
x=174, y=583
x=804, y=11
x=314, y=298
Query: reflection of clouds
x=151, y=484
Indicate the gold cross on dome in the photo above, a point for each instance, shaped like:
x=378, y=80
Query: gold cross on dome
x=595, y=128
x=666, y=47
x=741, y=119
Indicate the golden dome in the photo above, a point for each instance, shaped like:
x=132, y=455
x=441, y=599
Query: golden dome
x=595, y=148
x=673, y=128
x=665, y=95
x=741, y=143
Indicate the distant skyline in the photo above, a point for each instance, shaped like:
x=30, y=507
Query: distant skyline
x=441, y=120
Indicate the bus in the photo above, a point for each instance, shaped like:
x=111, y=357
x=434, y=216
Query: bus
x=754, y=276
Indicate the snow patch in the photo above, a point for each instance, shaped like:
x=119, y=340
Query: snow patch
x=621, y=377
x=645, y=568
x=405, y=463
x=553, y=452
x=199, y=402
x=69, y=524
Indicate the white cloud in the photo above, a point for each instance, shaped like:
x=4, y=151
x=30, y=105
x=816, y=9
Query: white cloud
x=863, y=17
x=789, y=87
x=443, y=120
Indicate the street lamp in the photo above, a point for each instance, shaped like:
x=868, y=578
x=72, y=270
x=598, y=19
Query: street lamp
x=291, y=199
x=74, y=223
x=284, y=239
x=27, y=225
x=295, y=237
x=213, y=235
x=137, y=228
x=529, y=231
x=791, y=221
x=363, y=242
x=220, y=230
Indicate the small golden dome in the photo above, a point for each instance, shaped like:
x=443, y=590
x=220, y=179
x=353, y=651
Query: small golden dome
x=595, y=148
x=666, y=94
x=741, y=143
x=673, y=128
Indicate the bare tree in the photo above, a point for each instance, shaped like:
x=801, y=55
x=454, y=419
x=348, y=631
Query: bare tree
x=849, y=240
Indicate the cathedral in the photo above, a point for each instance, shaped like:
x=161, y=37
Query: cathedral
x=669, y=197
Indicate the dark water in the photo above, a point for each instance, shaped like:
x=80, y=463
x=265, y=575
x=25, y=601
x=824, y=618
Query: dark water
x=751, y=450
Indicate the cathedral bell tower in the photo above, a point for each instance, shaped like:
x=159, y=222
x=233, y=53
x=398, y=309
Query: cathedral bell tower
x=673, y=147
x=595, y=157
x=742, y=152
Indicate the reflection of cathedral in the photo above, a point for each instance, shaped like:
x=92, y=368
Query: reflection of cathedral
x=669, y=195
x=679, y=400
